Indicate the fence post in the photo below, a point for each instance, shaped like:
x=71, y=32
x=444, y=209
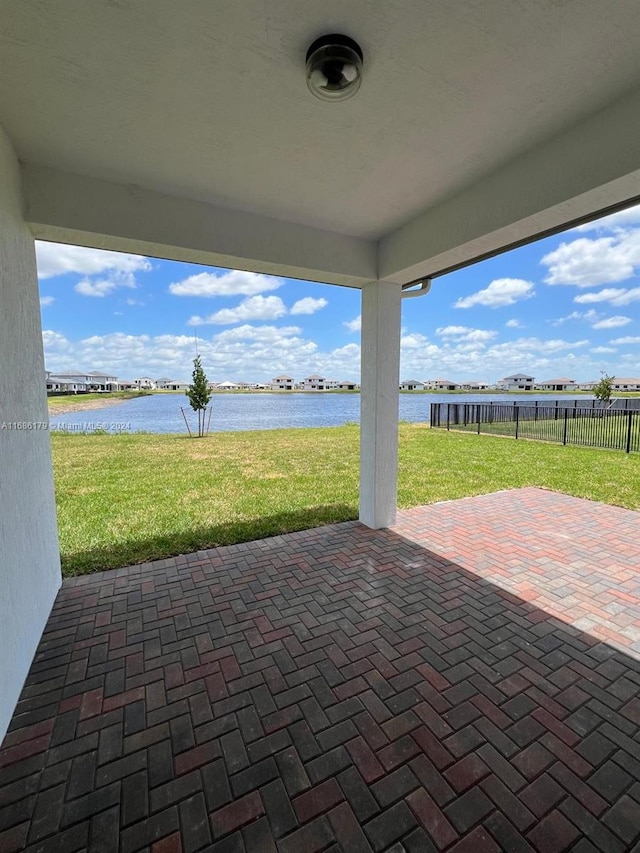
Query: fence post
x=629, y=415
x=564, y=435
x=556, y=417
x=517, y=417
x=535, y=417
x=448, y=407
x=478, y=409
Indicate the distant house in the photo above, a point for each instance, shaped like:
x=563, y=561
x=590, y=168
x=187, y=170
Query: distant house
x=145, y=383
x=516, y=382
x=345, y=385
x=313, y=383
x=171, y=384
x=561, y=384
x=474, y=386
x=625, y=384
x=102, y=381
x=66, y=383
x=441, y=385
x=227, y=385
x=78, y=382
x=318, y=383
x=411, y=385
x=282, y=383
x=619, y=383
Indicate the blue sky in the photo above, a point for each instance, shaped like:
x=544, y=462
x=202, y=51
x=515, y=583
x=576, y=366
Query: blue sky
x=567, y=305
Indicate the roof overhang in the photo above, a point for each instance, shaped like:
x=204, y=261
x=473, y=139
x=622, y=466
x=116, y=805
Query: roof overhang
x=187, y=131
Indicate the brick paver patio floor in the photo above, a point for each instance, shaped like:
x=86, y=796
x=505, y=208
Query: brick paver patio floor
x=466, y=681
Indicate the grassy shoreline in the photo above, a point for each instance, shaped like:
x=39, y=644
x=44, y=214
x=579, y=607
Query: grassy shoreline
x=135, y=497
x=65, y=403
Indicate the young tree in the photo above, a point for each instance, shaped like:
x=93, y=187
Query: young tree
x=603, y=389
x=199, y=394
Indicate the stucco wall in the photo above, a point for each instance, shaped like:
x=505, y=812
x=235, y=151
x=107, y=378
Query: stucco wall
x=380, y=375
x=29, y=561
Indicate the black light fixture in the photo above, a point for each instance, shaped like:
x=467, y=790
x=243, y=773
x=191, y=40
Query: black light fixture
x=334, y=67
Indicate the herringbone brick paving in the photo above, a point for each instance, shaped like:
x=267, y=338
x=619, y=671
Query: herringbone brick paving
x=343, y=689
x=577, y=560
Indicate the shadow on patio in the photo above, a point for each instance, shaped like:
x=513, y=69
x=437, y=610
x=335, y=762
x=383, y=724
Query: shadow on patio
x=333, y=689
x=122, y=553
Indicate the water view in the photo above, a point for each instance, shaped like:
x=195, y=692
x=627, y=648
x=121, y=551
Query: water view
x=161, y=412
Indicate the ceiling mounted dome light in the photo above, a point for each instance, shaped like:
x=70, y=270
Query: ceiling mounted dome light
x=334, y=68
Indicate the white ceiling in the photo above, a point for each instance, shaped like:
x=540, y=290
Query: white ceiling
x=207, y=99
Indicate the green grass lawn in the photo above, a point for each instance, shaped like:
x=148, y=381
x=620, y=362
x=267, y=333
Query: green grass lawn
x=65, y=399
x=129, y=498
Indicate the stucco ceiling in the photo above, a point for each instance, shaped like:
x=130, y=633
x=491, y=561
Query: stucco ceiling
x=207, y=100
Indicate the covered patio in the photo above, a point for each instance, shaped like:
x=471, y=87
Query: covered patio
x=434, y=686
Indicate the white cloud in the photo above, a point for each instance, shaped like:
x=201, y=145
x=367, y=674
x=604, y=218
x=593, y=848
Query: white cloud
x=594, y=319
x=250, y=352
x=481, y=360
x=451, y=331
x=589, y=262
x=415, y=341
x=354, y=325
x=501, y=292
x=589, y=316
x=346, y=358
x=116, y=269
x=259, y=352
x=252, y=308
x=628, y=339
x=259, y=307
x=513, y=324
x=230, y=283
x=46, y=300
x=55, y=259
x=603, y=350
x=617, y=296
x=612, y=322
x=553, y=345
x=54, y=342
x=308, y=305
x=105, y=286
x=464, y=333
x=266, y=334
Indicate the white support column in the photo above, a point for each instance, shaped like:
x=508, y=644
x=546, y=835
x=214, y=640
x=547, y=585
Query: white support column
x=380, y=376
x=29, y=559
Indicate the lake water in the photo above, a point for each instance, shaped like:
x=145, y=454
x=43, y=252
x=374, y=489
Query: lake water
x=161, y=412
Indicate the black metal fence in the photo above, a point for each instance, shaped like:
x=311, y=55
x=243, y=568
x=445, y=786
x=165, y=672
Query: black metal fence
x=558, y=421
